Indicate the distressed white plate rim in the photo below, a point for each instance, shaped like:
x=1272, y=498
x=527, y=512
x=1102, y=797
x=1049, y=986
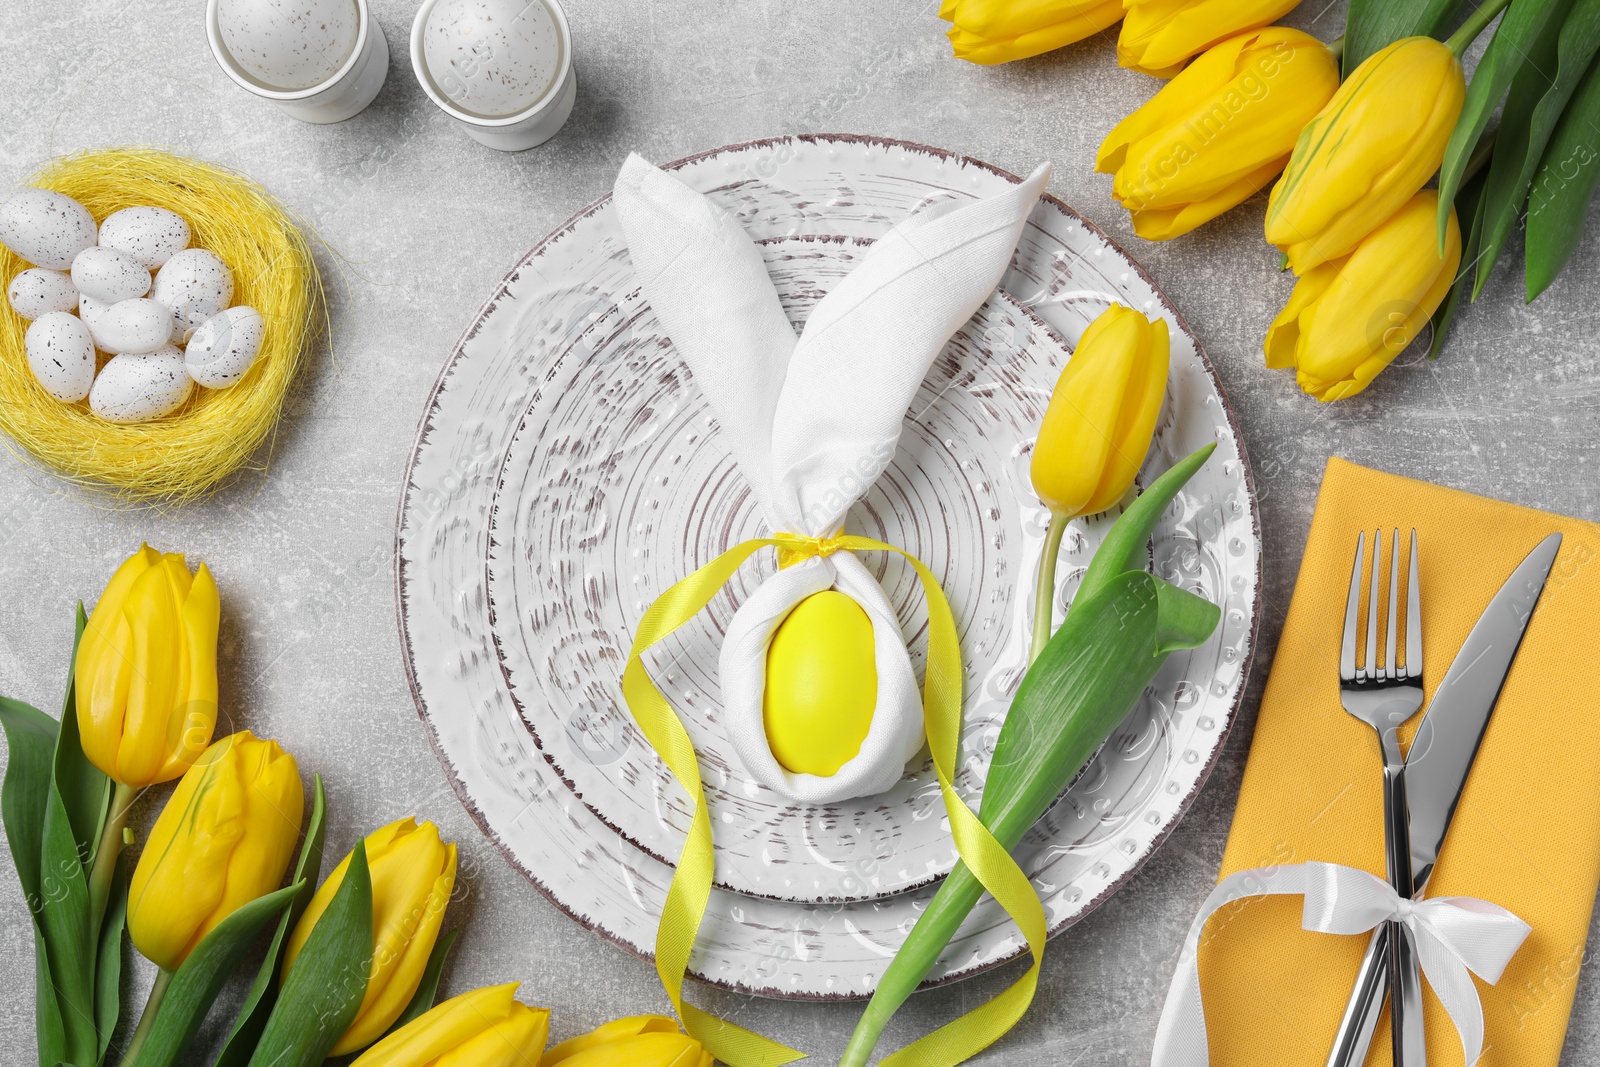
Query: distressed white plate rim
x=1066, y=272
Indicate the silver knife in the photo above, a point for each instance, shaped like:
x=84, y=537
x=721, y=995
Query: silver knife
x=1438, y=763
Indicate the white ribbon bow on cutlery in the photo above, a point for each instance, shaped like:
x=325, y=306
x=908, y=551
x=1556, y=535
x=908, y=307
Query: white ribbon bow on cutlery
x=1454, y=936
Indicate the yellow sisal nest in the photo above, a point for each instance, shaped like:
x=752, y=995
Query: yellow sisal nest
x=216, y=432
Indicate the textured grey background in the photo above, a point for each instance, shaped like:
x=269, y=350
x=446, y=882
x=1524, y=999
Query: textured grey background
x=422, y=222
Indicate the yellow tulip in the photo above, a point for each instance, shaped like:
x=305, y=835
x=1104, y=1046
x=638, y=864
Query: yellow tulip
x=224, y=839
x=1159, y=36
x=998, y=31
x=1349, y=318
x=1378, y=141
x=1102, y=414
x=413, y=872
x=146, y=670
x=484, y=1028
x=1219, y=131
x=637, y=1041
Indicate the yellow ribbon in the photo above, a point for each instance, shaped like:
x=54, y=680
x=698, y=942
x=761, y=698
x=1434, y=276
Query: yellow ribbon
x=691, y=881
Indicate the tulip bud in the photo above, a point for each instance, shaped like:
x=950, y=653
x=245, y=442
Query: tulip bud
x=413, y=872
x=224, y=839
x=1347, y=319
x=998, y=31
x=1102, y=414
x=146, y=671
x=1159, y=36
x=1219, y=131
x=484, y=1028
x=637, y=1041
x=1377, y=142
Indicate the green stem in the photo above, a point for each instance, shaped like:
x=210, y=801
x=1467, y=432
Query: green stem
x=152, y=1007
x=107, y=851
x=1336, y=46
x=1474, y=25
x=1044, y=592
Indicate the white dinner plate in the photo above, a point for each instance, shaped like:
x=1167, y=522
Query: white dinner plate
x=566, y=472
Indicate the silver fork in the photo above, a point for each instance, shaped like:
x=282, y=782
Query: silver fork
x=1384, y=698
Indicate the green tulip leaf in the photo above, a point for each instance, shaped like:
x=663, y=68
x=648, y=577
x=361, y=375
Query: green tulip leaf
x=1088, y=677
x=196, y=983
x=1131, y=533
x=1523, y=26
x=322, y=992
x=30, y=746
x=428, y=989
x=70, y=932
x=85, y=791
x=1373, y=25
x=48, y=1026
x=108, y=966
x=1469, y=214
x=258, y=1003
x=1558, y=204
x=1539, y=94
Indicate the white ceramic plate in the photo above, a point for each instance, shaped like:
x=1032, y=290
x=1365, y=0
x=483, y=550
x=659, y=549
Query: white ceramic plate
x=566, y=472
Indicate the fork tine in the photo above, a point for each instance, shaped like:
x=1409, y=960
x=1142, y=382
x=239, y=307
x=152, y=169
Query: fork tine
x=1413, y=617
x=1370, y=671
x=1390, y=670
x=1352, y=606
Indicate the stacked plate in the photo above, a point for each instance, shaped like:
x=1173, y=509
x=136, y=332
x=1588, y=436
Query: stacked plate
x=567, y=471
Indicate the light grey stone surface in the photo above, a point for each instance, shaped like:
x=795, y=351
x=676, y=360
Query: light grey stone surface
x=420, y=223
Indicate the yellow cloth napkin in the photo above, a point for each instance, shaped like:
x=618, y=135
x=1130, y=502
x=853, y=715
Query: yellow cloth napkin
x=1526, y=835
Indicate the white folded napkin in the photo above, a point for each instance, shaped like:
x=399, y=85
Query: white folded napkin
x=814, y=420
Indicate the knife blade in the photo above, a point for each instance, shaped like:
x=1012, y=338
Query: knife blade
x=1438, y=762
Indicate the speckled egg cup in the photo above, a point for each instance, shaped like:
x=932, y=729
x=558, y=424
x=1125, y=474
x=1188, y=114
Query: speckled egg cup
x=344, y=95
x=527, y=128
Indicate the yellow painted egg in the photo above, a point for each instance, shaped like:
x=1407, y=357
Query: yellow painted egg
x=822, y=684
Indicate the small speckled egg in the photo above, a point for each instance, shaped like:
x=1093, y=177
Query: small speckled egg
x=492, y=58
x=138, y=388
x=225, y=346
x=151, y=235
x=196, y=285
x=132, y=326
x=45, y=228
x=37, y=291
x=289, y=44
x=109, y=275
x=61, y=355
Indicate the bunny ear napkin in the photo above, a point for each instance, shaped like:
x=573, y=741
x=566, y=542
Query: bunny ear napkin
x=812, y=421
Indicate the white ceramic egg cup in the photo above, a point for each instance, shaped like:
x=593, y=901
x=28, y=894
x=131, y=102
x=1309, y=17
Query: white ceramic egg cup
x=531, y=126
x=351, y=88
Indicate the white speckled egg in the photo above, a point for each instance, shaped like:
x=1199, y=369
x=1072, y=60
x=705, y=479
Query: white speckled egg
x=133, y=326
x=109, y=275
x=37, y=291
x=150, y=235
x=138, y=388
x=61, y=355
x=492, y=58
x=196, y=285
x=289, y=44
x=45, y=228
x=225, y=346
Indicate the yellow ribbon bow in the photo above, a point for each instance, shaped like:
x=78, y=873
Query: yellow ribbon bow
x=691, y=880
